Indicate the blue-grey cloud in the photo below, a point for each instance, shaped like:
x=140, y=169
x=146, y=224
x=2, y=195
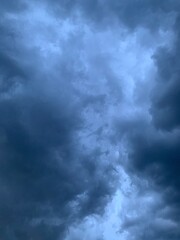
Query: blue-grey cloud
x=154, y=145
x=47, y=181
x=67, y=101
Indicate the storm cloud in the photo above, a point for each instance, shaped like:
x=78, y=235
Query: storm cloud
x=89, y=124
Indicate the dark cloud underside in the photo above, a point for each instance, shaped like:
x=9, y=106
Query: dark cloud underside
x=51, y=176
x=47, y=180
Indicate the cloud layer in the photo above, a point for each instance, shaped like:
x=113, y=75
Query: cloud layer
x=89, y=126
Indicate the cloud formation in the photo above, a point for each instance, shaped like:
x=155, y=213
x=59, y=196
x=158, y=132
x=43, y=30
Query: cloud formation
x=47, y=180
x=89, y=94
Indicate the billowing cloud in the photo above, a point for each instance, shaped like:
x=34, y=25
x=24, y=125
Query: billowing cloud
x=48, y=180
x=89, y=126
x=153, y=143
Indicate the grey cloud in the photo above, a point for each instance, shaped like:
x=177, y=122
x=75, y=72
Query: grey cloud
x=47, y=181
x=154, y=149
x=12, y=6
x=150, y=14
x=165, y=108
x=153, y=146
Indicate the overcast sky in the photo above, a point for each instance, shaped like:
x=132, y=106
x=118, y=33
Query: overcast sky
x=89, y=120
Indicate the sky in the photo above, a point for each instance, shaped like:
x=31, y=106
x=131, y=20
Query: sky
x=89, y=120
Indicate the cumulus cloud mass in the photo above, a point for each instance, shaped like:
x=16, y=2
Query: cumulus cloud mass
x=89, y=120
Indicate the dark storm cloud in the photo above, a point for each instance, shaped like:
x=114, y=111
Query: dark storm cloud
x=47, y=181
x=154, y=156
x=155, y=148
x=138, y=13
x=165, y=107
